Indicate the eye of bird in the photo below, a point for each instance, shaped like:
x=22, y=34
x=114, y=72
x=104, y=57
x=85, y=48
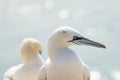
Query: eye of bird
x=63, y=31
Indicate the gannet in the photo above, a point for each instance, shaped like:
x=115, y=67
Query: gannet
x=30, y=50
x=63, y=63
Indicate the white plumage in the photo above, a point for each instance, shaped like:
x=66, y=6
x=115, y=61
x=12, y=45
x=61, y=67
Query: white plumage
x=32, y=62
x=63, y=63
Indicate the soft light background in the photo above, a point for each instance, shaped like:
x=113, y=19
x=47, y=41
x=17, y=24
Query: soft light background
x=98, y=20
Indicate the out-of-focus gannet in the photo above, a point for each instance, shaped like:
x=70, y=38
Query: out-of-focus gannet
x=30, y=50
x=63, y=63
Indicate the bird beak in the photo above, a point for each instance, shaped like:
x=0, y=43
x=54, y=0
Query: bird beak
x=40, y=52
x=85, y=41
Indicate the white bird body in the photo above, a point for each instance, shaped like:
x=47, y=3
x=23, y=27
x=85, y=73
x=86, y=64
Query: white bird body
x=24, y=72
x=71, y=65
x=66, y=64
x=62, y=62
x=32, y=62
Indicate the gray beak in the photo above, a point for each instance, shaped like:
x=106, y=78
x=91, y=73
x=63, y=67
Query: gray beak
x=40, y=52
x=85, y=41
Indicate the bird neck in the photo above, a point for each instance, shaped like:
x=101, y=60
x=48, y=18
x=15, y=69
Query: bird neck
x=54, y=45
x=54, y=48
x=30, y=58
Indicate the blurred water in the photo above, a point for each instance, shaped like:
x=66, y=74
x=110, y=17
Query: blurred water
x=96, y=19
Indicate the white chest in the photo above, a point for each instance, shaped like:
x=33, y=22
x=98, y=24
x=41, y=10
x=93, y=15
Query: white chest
x=65, y=67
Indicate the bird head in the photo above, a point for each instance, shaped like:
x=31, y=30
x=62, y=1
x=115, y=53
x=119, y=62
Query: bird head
x=67, y=36
x=30, y=46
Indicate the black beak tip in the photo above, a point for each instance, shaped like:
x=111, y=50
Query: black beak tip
x=103, y=46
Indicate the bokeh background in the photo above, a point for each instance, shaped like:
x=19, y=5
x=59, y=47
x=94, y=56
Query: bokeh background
x=98, y=20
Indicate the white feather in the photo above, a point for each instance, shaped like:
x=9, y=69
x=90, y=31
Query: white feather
x=32, y=62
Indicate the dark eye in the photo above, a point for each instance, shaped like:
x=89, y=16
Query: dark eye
x=63, y=31
x=77, y=38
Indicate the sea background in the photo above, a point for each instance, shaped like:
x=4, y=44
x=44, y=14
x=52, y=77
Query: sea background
x=98, y=20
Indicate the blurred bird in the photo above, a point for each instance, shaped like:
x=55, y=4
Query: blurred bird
x=30, y=50
x=63, y=63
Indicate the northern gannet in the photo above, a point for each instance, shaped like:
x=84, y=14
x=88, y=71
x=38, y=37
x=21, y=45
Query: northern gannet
x=63, y=63
x=30, y=50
